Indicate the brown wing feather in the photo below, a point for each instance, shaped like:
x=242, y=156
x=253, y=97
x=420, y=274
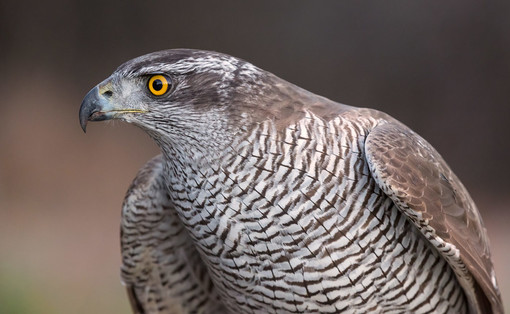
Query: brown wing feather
x=413, y=174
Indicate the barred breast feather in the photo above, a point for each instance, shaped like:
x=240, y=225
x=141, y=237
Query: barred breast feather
x=294, y=221
x=161, y=269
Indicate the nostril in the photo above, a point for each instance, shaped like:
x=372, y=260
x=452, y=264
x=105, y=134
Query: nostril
x=108, y=94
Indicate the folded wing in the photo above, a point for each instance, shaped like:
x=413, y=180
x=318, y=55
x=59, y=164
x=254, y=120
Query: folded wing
x=411, y=172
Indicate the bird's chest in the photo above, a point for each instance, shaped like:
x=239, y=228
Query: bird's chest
x=279, y=207
x=273, y=191
x=295, y=222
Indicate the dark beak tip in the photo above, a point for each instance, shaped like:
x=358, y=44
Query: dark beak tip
x=89, y=105
x=83, y=122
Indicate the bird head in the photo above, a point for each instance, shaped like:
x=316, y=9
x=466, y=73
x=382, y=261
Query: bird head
x=179, y=93
x=193, y=99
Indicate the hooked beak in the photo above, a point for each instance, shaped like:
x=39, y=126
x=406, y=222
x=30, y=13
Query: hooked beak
x=98, y=106
x=95, y=107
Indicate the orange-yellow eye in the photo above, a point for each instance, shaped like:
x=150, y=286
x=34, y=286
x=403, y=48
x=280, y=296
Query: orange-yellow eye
x=158, y=85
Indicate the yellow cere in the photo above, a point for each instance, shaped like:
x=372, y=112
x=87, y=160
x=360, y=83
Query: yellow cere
x=158, y=85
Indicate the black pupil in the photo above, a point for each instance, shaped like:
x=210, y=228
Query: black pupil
x=157, y=85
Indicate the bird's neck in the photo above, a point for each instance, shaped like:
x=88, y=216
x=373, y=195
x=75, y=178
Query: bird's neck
x=188, y=151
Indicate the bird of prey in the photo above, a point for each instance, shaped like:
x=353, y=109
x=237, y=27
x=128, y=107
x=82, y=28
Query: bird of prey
x=268, y=198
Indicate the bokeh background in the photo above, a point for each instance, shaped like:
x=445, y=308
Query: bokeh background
x=442, y=68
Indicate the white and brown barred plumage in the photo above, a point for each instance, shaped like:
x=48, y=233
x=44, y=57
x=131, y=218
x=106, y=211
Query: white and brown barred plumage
x=270, y=199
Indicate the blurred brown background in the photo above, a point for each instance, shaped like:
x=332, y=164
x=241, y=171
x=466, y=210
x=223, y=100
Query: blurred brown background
x=443, y=68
